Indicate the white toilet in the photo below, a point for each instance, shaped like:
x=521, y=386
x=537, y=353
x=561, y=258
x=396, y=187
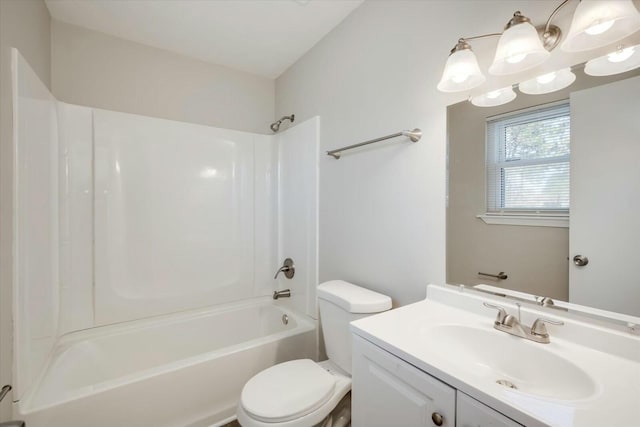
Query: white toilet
x=304, y=393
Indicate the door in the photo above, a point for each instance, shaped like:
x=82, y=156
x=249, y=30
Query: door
x=388, y=391
x=605, y=196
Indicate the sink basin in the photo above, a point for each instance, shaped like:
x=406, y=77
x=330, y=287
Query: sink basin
x=512, y=362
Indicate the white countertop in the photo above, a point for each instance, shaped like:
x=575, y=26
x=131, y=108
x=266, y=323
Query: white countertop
x=610, y=358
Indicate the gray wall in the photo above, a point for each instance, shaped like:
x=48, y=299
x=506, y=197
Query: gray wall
x=535, y=258
x=382, y=209
x=24, y=24
x=98, y=70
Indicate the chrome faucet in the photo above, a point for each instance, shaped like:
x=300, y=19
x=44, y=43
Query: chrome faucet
x=286, y=293
x=510, y=324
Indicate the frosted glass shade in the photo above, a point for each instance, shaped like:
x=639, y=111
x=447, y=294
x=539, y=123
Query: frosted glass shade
x=519, y=49
x=461, y=72
x=617, y=62
x=548, y=83
x=494, y=98
x=597, y=23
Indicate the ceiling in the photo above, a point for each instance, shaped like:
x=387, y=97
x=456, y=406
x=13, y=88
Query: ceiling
x=263, y=37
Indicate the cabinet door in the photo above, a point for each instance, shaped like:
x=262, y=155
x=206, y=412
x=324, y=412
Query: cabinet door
x=471, y=413
x=388, y=391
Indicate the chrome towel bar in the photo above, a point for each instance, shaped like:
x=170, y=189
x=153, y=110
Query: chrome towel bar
x=413, y=135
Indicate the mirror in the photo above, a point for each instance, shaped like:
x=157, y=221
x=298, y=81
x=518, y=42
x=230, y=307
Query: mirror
x=532, y=251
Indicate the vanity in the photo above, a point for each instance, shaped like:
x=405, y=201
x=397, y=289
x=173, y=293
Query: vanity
x=448, y=361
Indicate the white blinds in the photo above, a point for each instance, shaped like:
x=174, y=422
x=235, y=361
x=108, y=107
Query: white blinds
x=528, y=161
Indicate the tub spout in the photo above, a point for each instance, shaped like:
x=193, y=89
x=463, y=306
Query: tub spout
x=282, y=294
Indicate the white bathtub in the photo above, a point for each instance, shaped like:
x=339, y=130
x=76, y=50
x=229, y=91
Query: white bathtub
x=185, y=369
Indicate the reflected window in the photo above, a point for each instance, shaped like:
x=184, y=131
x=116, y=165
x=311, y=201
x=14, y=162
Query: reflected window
x=528, y=161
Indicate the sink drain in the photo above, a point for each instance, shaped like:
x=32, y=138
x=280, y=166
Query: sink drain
x=507, y=384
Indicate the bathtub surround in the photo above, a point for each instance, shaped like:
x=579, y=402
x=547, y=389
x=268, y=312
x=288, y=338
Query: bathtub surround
x=25, y=25
x=124, y=217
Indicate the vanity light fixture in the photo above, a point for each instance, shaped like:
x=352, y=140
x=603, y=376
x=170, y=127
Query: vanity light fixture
x=621, y=60
x=547, y=83
x=522, y=46
x=494, y=98
x=461, y=72
x=597, y=23
x=519, y=48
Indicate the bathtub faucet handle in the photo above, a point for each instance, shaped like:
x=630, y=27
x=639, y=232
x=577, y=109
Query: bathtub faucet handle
x=287, y=268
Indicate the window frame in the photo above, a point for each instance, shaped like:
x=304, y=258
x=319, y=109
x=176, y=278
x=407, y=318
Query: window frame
x=495, y=213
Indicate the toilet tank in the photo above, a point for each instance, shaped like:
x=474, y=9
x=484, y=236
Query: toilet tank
x=340, y=303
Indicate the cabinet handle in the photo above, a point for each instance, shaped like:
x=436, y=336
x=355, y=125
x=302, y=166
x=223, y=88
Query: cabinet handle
x=437, y=419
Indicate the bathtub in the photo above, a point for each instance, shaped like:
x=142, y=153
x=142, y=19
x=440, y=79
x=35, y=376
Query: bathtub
x=184, y=369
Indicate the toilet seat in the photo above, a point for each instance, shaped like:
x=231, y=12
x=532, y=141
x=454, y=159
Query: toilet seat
x=291, y=394
x=287, y=391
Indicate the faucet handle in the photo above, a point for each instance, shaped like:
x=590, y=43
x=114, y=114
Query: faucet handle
x=539, y=328
x=288, y=268
x=502, y=313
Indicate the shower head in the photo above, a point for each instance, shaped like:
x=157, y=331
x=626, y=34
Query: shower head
x=275, y=126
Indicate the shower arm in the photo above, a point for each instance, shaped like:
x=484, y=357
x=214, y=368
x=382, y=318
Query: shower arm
x=275, y=126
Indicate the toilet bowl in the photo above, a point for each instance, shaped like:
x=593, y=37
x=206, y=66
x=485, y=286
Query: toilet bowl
x=304, y=393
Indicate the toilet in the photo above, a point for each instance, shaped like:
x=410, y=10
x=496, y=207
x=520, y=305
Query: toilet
x=304, y=393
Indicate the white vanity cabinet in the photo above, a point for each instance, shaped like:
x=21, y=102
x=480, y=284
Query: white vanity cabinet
x=471, y=413
x=387, y=391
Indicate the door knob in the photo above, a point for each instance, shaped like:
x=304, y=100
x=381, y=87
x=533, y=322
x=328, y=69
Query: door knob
x=580, y=260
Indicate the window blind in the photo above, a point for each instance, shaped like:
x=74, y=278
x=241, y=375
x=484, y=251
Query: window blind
x=527, y=162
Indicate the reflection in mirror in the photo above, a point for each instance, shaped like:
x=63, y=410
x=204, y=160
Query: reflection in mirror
x=527, y=208
x=619, y=321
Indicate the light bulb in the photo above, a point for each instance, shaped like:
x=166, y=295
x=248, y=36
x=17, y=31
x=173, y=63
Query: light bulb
x=599, y=27
x=495, y=97
x=621, y=55
x=547, y=83
x=514, y=59
x=519, y=48
x=546, y=78
x=619, y=61
x=459, y=78
x=598, y=23
x=461, y=72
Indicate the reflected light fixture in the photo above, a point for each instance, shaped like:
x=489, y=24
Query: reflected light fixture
x=461, y=72
x=597, y=23
x=547, y=83
x=494, y=98
x=619, y=61
x=519, y=48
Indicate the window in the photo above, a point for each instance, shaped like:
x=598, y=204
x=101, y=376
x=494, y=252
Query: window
x=528, y=162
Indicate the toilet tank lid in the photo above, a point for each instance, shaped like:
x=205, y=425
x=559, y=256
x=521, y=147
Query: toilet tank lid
x=352, y=298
